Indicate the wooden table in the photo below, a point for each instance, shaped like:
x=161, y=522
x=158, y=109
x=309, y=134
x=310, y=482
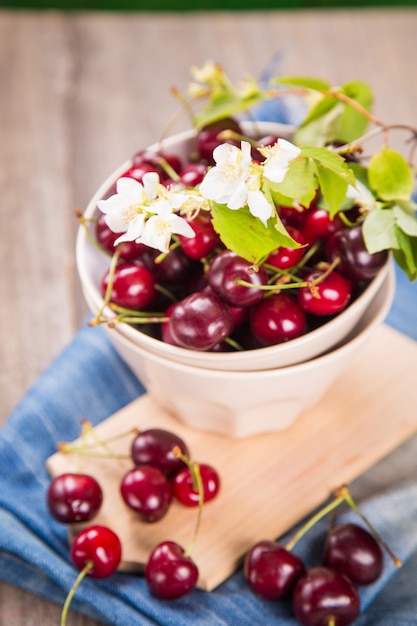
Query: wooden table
x=79, y=93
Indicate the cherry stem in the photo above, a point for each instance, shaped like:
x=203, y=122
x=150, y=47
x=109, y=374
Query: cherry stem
x=113, y=264
x=83, y=573
x=337, y=501
x=331, y=621
x=345, y=494
x=197, y=485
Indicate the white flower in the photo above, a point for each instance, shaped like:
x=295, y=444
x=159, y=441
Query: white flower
x=362, y=196
x=278, y=158
x=126, y=210
x=235, y=181
x=160, y=227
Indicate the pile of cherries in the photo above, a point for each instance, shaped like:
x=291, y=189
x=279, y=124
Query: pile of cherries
x=323, y=595
x=162, y=471
x=211, y=298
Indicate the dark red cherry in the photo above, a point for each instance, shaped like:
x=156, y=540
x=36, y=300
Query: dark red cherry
x=225, y=274
x=100, y=546
x=200, y=321
x=322, y=594
x=172, y=268
x=129, y=251
x=154, y=446
x=356, y=262
x=352, y=550
x=138, y=171
x=170, y=573
x=208, y=137
x=327, y=297
x=133, y=286
x=156, y=160
x=146, y=490
x=276, y=319
x=271, y=571
x=73, y=497
x=186, y=492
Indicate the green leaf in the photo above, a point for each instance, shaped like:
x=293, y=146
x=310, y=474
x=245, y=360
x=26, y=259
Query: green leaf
x=316, y=84
x=321, y=108
x=406, y=256
x=247, y=236
x=352, y=123
x=406, y=218
x=331, y=161
x=333, y=189
x=224, y=105
x=379, y=230
x=300, y=183
x=390, y=176
x=320, y=130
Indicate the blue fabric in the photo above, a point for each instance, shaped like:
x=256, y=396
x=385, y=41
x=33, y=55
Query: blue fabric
x=89, y=380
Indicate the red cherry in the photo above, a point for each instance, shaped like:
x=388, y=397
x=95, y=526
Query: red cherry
x=204, y=241
x=352, y=550
x=186, y=492
x=129, y=250
x=169, y=572
x=73, y=497
x=276, y=319
x=101, y=546
x=271, y=571
x=133, y=286
x=154, y=446
x=328, y=297
x=146, y=490
x=322, y=594
x=283, y=258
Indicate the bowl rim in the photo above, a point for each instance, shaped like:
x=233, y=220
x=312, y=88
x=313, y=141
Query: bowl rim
x=360, y=332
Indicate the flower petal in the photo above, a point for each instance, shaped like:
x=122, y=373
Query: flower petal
x=259, y=206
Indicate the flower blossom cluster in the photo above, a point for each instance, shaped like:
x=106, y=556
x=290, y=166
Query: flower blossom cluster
x=150, y=213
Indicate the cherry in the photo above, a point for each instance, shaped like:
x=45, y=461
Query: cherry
x=169, y=269
x=98, y=545
x=187, y=493
x=271, y=571
x=170, y=573
x=139, y=170
x=129, y=249
x=200, y=321
x=318, y=225
x=156, y=161
x=224, y=274
x=329, y=296
x=283, y=257
x=352, y=550
x=356, y=262
x=155, y=446
x=192, y=174
x=133, y=286
x=146, y=490
x=323, y=596
x=73, y=497
x=205, y=240
x=208, y=137
x=276, y=319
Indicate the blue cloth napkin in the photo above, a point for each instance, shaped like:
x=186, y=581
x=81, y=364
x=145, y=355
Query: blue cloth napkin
x=89, y=380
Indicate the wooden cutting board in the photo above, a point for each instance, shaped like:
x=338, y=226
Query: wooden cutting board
x=270, y=481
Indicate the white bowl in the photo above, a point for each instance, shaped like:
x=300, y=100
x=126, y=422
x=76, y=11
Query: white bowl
x=92, y=265
x=240, y=404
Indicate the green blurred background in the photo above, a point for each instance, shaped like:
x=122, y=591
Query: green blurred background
x=197, y=5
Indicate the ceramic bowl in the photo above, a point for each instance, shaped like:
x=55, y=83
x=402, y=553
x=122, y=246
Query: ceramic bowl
x=240, y=404
x=92, y=265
